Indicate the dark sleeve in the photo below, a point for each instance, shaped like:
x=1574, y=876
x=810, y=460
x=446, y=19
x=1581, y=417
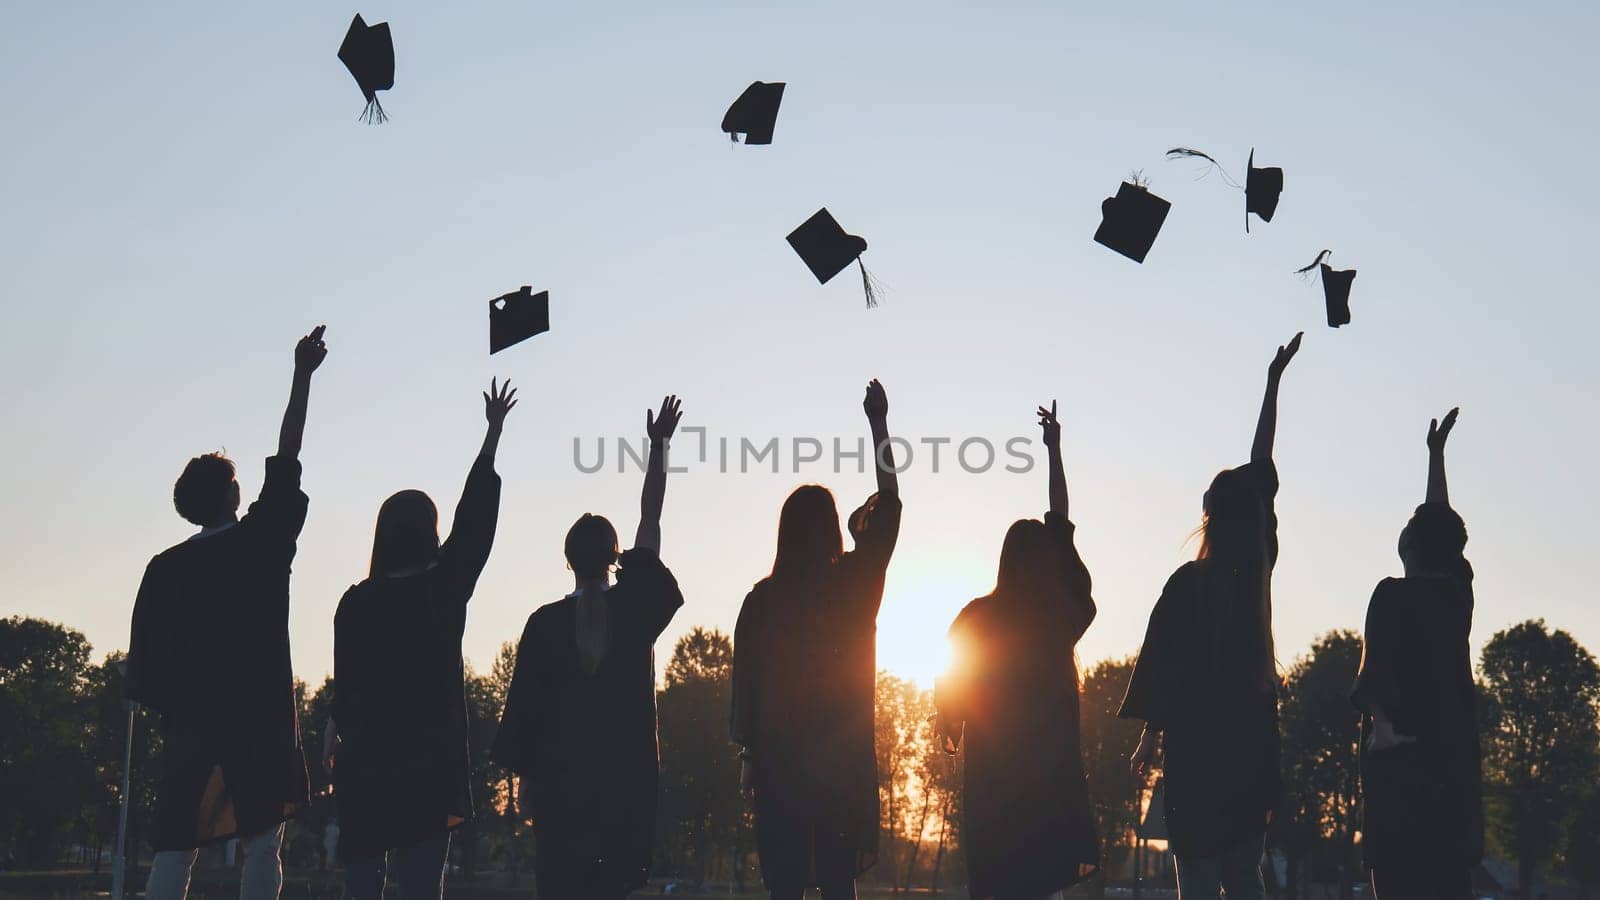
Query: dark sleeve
x=280, y=511
x=346, y=682
x=746, y=687
x=466, y=551
x=1076, y=585
x=876, y=539
x=653, y=597
x=1263, y=476
x=1375, y=680
x=516, y=741
x=151, y=647
x=1150, y=689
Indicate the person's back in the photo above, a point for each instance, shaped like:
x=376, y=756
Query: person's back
x=1421, y=770
x=1009, y=703
x=399, y=721
x=804, y=664
x=579, y=724
x=209, y=650
x=1205, y=681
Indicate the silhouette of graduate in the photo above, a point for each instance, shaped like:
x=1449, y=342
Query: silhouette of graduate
x=804, y=670
x=401, y=764
x=1421, y=771
x=1010, y=703
x=1206, y=680
x=209, y=651
x=579, y=725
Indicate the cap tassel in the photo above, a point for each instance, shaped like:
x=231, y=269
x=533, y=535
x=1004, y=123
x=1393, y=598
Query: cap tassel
x=1191, y=153
x=374, y=114
x=869, y=284
x=1314, y=263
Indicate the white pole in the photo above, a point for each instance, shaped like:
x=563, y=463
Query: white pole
x=119, y=864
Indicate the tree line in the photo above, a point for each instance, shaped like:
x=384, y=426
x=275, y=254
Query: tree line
x=63, y=725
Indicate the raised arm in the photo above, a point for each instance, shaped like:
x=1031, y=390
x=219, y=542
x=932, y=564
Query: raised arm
x=1058, y=473
x=466, y=551
x=308, y=355
x=659, y=426
x=1267, y=424
x=1438, y=433
x=876, y=406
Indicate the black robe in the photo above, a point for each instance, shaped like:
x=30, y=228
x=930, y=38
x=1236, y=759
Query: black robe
x=1011, y=700
x=1220, y=722
x=1422, y=802
x=401, y=773
x=585, y=745
x=209, y=651
x=804, y=687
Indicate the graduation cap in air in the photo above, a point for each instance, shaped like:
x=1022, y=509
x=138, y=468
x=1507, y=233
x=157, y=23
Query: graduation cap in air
x=1130, y=221
x=755, y=113
x=1335, y=288
x=517, y=316
x=1261, y=186
x=826, y=250
x=368, y=52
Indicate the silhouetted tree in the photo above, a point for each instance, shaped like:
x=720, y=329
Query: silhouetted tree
x=1321, y=751
x=1582, y=849
x=1544, y=742
x=702, y=817
x=47, y=780
x=1108, y=742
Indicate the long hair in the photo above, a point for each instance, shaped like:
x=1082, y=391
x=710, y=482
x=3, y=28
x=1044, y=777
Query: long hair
x=1238, y=579
x=808, y=532
x=407, y=533
x=1026, y=558
x=591, y=546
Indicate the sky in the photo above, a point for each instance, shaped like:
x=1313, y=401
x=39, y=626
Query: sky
x=185, y=189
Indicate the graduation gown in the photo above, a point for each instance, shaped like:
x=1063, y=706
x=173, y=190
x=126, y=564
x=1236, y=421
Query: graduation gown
x=804, y=687
x=209, y=651
x=1222, y=748
x=1011, y=700
x=402, y=768
x=585, y=744
x=1422, y=802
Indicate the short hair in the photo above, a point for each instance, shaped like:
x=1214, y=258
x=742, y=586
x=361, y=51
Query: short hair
x=1435, y=538
x=204, y=488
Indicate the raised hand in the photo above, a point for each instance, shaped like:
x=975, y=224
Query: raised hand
x=499, y=400
x=1051, y=426
x=660, y=426
x=1285, y=353
x=1439, y=432
x=310, y=351
x=876, y=403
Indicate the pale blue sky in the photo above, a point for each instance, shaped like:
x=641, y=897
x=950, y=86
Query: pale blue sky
x=184, y=189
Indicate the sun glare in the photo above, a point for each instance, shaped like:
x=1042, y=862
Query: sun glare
x=913, y=622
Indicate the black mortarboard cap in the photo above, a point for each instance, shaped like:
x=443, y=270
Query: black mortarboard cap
x=1335, y=288
x=1130, y=221
x=1336, y=291
x=1261, y=186
x=755, y=113
x=517, y=316
x=368, y=52
x=826, y=250
x=1261, y=190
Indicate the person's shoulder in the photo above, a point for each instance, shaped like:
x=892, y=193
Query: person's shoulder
x=545, y=612
x=971, y=614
